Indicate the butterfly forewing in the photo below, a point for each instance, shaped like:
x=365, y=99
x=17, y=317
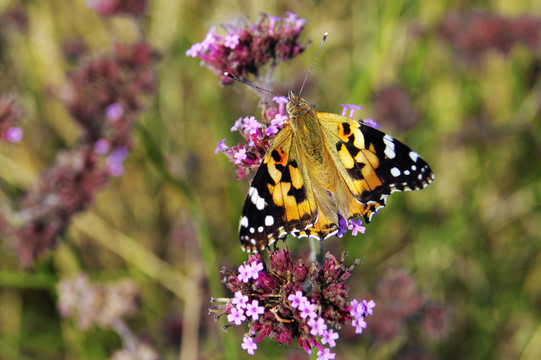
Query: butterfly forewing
x=279, y=200
x=377, y=163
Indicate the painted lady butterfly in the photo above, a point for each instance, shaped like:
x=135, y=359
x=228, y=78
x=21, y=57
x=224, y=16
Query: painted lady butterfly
x=319, y=165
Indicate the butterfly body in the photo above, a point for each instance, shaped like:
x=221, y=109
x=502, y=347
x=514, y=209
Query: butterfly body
x=321, y=165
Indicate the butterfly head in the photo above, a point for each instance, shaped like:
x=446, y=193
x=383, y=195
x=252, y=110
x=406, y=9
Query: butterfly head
x=297, y=106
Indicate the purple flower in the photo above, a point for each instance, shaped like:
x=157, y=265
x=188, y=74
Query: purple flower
x=240, y=300
x=249, y=345
x=254, y=310
x=281, y=101
x=372, y=123
x=231, y=41
x=210, y=39
x=325, y=354
x=114, y=111
x=221, y=146
x=251, y=125
x=240, y=156
x=244, y=273
x=356, y=227
x=101, y=146
x=14, y=134
x=359, y=324
x=317, y=326
x=194, y=50
x=271, y=130
x=272, y=22
x=255, y=268
x=329, y=337
x=237, y=125
x=236, y=316
x=357, y=309
x=279, y=120
x=296, y=299
x=352, y=108
x=307, y=310
x=368, y=306
x=115, y=161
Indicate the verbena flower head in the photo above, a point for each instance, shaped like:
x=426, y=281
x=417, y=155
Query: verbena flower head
x=258, y=136
x=97, y=304
x=105, y=95
x=355, y=225
x=245, y=48
x=402, y=306
x=475, y=34
x=276, y=304
x=66, y=188
x=393, y=107
x=118, y=7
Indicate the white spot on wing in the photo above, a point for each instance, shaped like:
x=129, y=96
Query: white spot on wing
x=260, y=229
x=257, y=200
x=244, y=221
x=389, y=146
x=269, y=220
x=414, y=156
x=395, y=172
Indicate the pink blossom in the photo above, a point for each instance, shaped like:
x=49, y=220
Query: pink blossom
x=249, y=345
x=244, y=273
x=254, y=310
x=329, y=337
x=221, y=146
x=240, y=300
x=236, y=316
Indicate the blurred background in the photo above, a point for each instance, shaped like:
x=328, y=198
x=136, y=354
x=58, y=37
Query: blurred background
x=454, y=269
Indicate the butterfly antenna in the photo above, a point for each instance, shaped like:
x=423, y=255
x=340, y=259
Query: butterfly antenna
x=314, y=62
x=250, y=84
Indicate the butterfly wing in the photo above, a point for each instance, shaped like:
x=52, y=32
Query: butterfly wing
x=280, y=199
x=372, y=163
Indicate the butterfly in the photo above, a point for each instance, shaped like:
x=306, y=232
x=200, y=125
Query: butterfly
x=318, y=166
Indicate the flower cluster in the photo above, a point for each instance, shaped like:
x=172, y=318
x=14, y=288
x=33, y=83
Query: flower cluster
x=104, y=97
x=102, y=305
x=354, y=225
x=66, y=188
x=392, y=106
x=258, y=136
x=118, y=7
x=402, y=304
x=292, y=301
x=105, y=306
x=475, y=34
x=13, y=17
x=246, y=48
x=10, y=114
